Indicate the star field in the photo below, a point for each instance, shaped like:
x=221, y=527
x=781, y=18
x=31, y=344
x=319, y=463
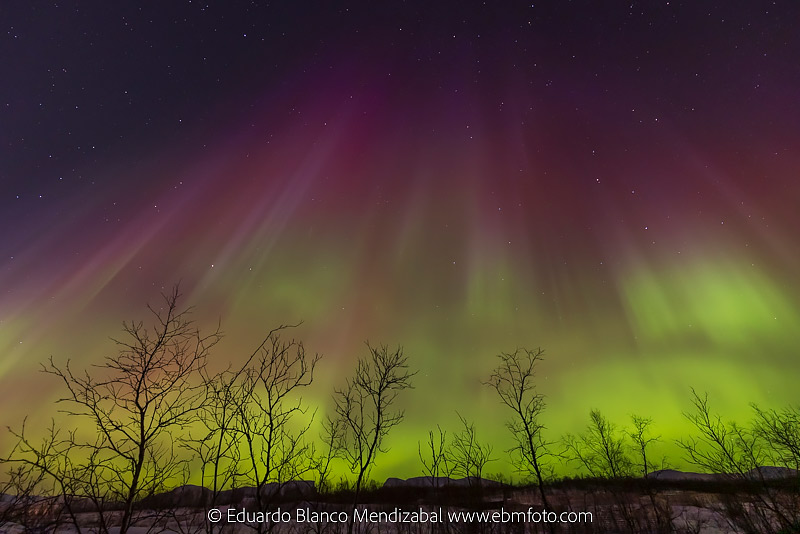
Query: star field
x=617, y=184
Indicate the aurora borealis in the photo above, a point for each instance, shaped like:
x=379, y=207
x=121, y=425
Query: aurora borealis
x=616, y=184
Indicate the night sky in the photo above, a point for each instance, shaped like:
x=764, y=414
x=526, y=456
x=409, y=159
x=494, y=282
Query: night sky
x=615, y=182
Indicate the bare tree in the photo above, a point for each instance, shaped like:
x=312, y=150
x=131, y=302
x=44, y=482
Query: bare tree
x=601, y=449
x=136, y=399
x=466, y=455
x=366, y=412
x=332, y=438
x=434, y=460
x=271, y=420
x=38, y=491
x=214, y=442
x=514, y=380
x=642, y=439
x=720, y=447
x=740, y=452
x=780, y=430
x=19, y=499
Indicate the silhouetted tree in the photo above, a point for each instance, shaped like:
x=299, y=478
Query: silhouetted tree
x=601, y=449
x=514, y=380
x=39, y=490
x=270, y=420
x=332, y=438
x=740, y=452
x=603, y=452
x=780, y=430
x=244, y=426
x=434, y=459
x=214, y=442
x=135, y=400
x=720, y=447
x=366, y=412
x=642, y=439
x=466, y=456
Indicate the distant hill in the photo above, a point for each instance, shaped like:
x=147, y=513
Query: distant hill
x=765, y=473
x=441, y=482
